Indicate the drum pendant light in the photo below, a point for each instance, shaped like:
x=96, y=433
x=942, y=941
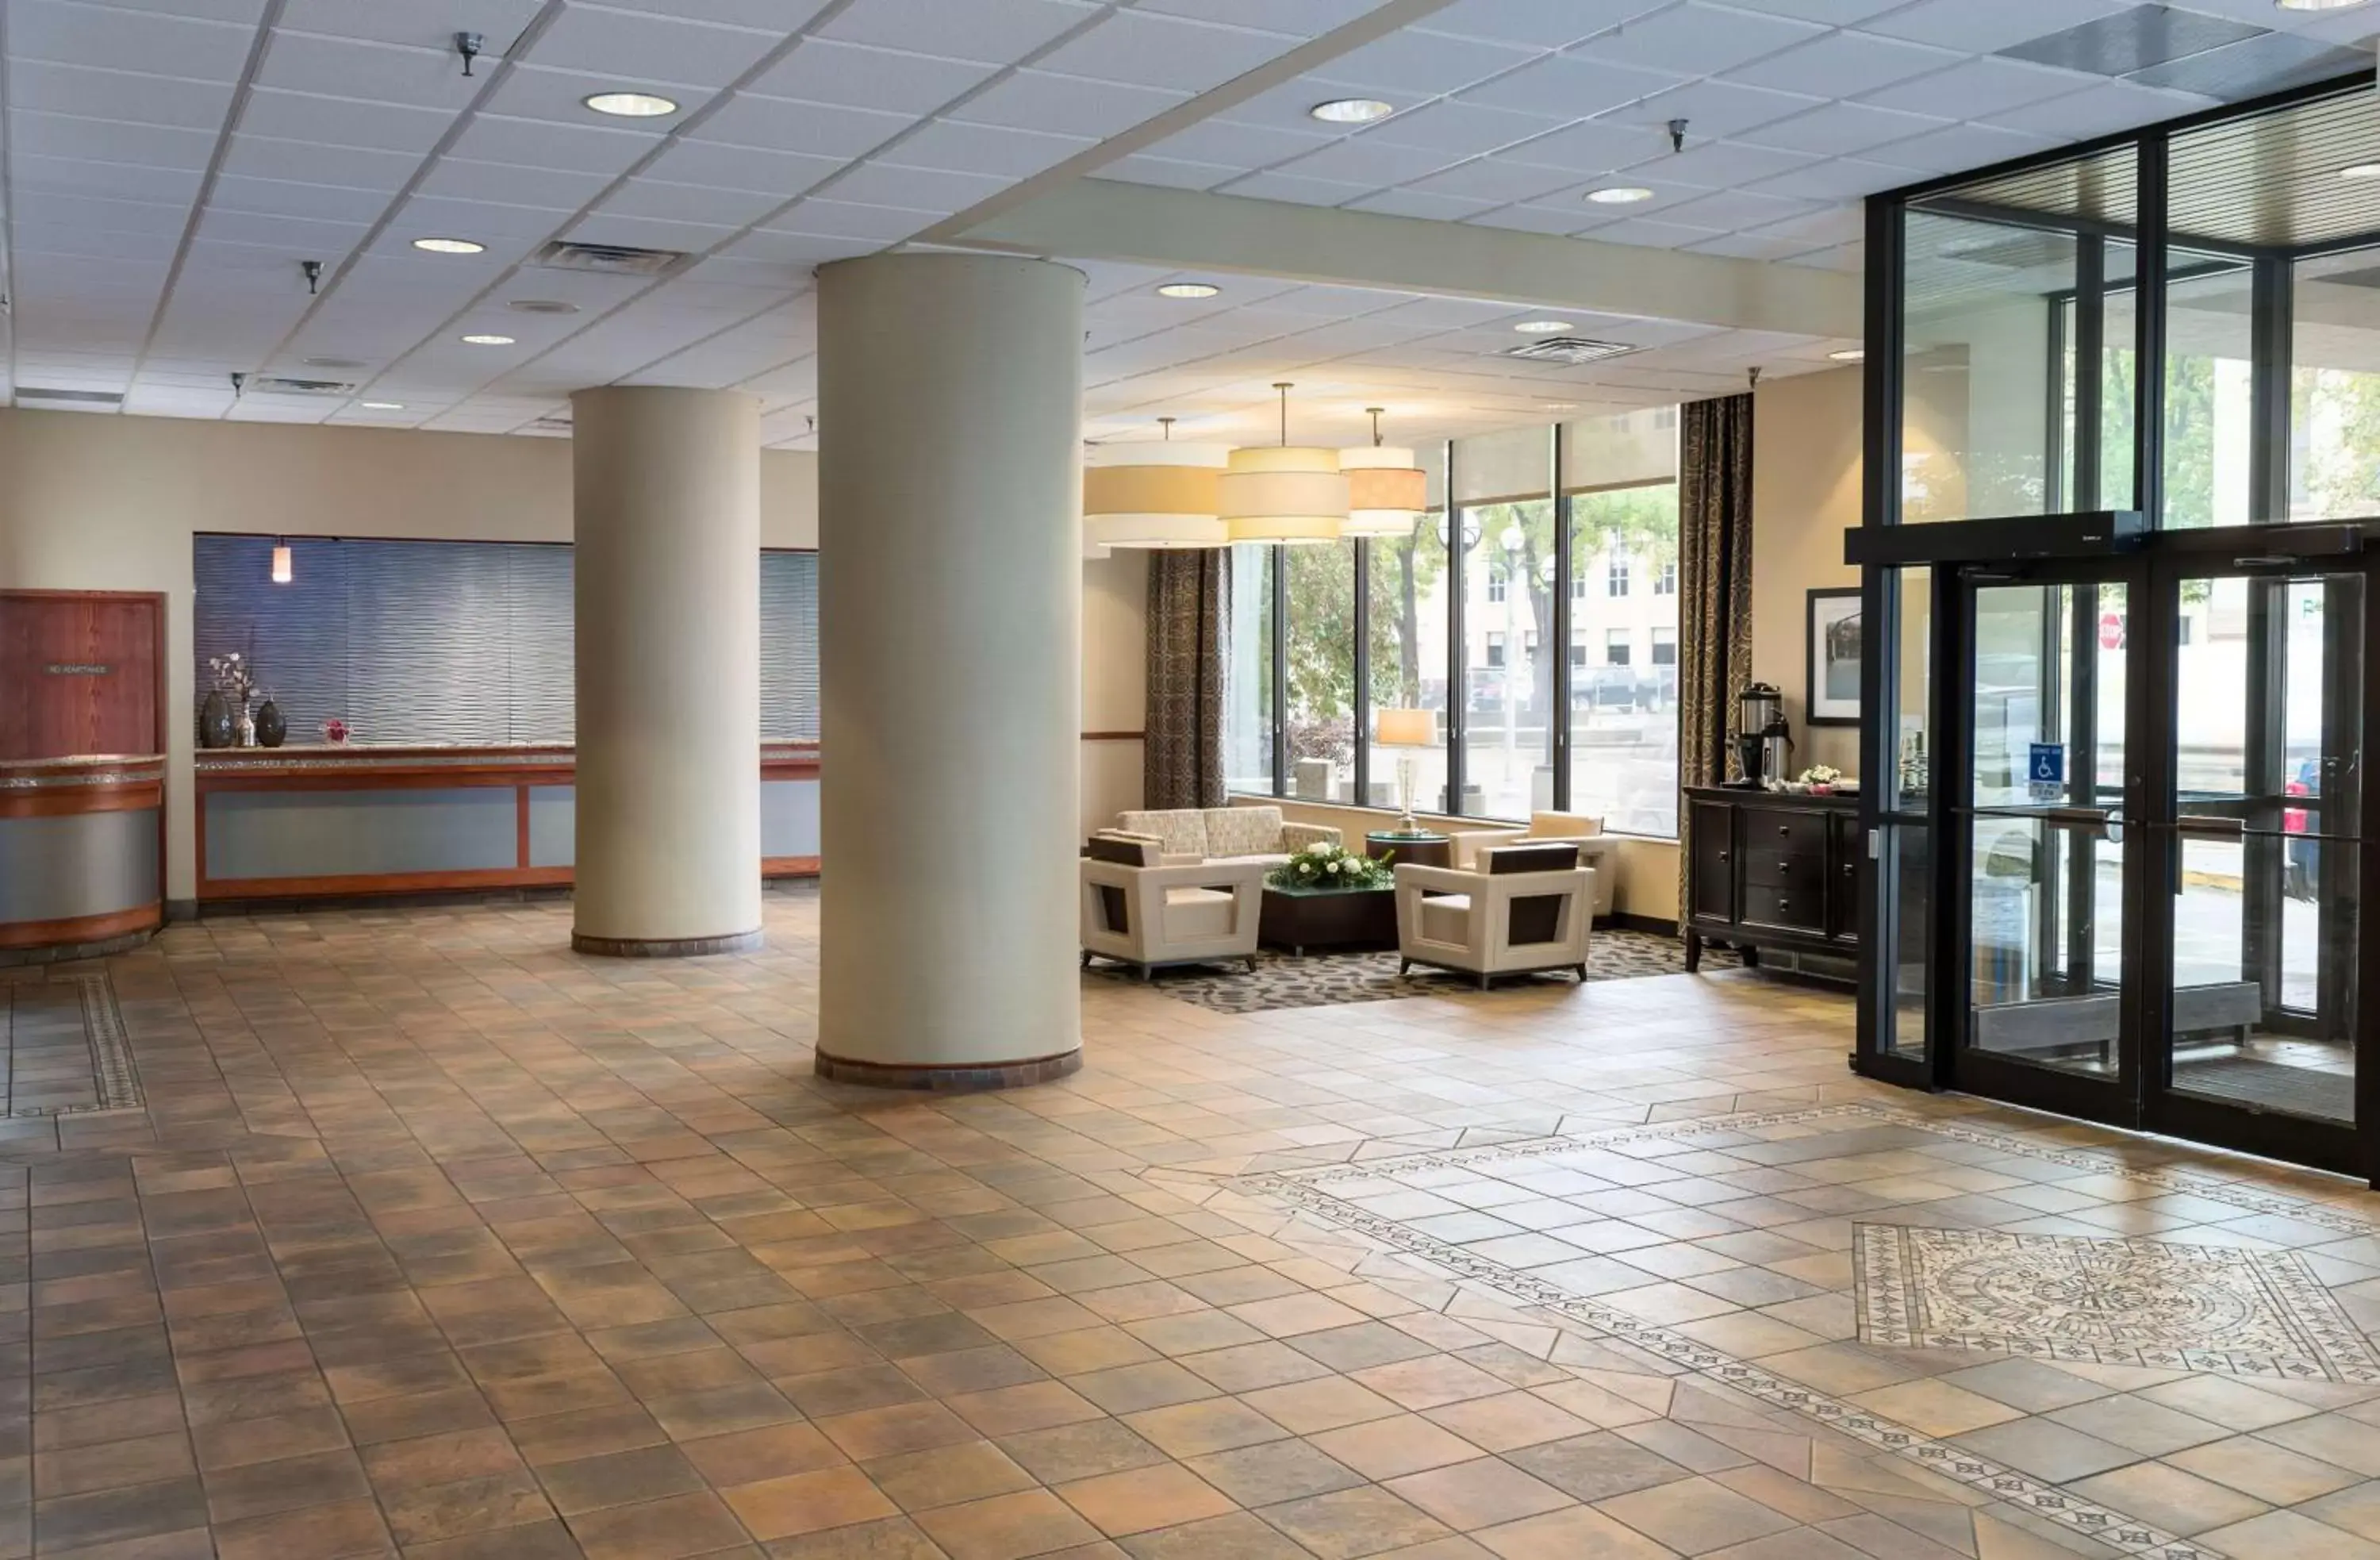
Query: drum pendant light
x=1386, y=491
x=1153, y=494
x=1286, y=493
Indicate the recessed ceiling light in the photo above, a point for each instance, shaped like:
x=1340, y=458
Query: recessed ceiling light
x=1188, y=289
x=450, y=246
x=542, y=306
x=2320, y=5
x=1561, y=406
x=383, y=406
x=1620, y=195
x=1542, y=327
x=2361, y=171
x=485, y=339
x=1850, y=355
x=631, y=105
x=1350, y=111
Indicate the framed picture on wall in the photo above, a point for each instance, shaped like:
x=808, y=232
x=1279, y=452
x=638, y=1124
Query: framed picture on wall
x=1834, y=687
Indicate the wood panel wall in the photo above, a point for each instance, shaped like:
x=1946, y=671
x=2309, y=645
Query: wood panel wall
x=81, y=672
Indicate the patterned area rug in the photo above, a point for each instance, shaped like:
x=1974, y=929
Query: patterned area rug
x=1327, y=979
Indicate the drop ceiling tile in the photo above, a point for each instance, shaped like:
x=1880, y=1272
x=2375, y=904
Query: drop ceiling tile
x=1034, y=100
x=125, y=181
x=529, y=93
x=779, y=175
x=1713, y=110
x=1836, y=129
x=1728, y=210
x=649, y=233
x=778, y=16
x=1841, y=64
x=799, y=252
x=1842, y=178
x=1299, y=191
x=1980, y=87
x=1167, y=172
x=982, y=149
x=1570, y=86
x=1307, y=18
x=1542, y=24
x=1235, y=143
x=1592, y=145
x=1362, y=160
x=348, y=68
x=860, y=76
x=466, y=178
x=36, y=210
x=539, y=143
x=141, y=100
x=847, y=219
x=2100, y=109
x=1407, y=62
x=883, y=184
x=669, y=201
x=1985, y=29
x=636, y=45
x=107, y=140
x=1558, y=221
x=1719, y=164
x=429, y=23
x=1647, y=233
x=1958, y=148
x=1750, y=246
x=1157, y=51
x=329, y=121
x=995, y=32
x=110, y=39
x=1695, y=39
x=1831, y=13
x=1461, y=128
x=812, y=129
x=1492, y=178
x=306, y=163
x=1831, y=226
x=433, y=216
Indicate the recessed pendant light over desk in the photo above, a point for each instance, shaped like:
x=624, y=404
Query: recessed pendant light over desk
x=631, y=105
x=282, y=571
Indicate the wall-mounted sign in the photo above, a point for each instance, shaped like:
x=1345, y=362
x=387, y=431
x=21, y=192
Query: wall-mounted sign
x=77, y=669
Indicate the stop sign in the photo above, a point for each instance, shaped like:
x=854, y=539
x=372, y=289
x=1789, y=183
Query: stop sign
x=2111, y=630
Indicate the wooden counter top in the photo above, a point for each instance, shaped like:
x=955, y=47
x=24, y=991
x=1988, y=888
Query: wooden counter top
x=332, y=765
x=91, y=783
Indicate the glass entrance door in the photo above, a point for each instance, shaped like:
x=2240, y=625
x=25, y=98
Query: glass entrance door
x=2255, y=1045
x=2047, y=1019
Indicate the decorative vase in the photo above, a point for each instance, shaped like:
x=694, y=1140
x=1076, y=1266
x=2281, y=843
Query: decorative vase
x=270, y=727
x=216, y=729
x=246, y=727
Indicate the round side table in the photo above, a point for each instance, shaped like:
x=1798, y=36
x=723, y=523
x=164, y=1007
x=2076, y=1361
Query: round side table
x=1424, y=849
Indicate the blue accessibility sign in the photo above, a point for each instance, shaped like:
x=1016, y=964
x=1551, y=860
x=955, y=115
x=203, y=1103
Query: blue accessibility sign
x=2049, y=764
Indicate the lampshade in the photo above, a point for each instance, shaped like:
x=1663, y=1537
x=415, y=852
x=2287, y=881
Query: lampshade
x=1285, y=493
x=1386, y=491
x=1405, y=728
x=282, y=573
x=1150, y=495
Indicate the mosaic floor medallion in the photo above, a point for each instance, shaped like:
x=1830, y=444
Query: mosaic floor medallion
x=2117, y=1302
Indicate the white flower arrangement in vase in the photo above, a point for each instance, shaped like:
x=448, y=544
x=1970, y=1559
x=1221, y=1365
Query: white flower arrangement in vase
x=1331, y=866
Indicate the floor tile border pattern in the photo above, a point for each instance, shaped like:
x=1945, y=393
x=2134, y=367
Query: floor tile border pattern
x=115, y=1082
x=1302, y=1189
x=1892, y=1262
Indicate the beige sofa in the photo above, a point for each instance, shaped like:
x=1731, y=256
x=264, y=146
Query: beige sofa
x=1527, y=908
x=1139, y=911
x=1227, y=833
x=1597, y=851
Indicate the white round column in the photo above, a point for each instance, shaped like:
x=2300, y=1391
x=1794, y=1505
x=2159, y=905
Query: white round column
x=949, y=501
x=666, y=492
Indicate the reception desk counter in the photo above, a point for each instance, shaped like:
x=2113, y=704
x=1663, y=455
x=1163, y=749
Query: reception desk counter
x=334, y=821
x=82, y=854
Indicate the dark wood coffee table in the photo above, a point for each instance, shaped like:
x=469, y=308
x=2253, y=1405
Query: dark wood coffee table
x=1299, y=918
x=1428, y=848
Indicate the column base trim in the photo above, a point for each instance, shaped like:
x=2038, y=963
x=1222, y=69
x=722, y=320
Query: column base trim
x=667, y=948
x=949, y=1079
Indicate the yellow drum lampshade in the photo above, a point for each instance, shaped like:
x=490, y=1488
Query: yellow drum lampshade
x=1154, y=495
x=1287, y=494
x=1386, y=491
x=1405, y=728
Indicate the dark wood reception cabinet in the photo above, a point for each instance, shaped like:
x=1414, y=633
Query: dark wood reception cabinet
x=1770, y=870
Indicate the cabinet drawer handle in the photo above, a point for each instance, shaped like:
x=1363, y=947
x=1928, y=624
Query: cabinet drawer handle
x=1784, y=828
x=1722, y=855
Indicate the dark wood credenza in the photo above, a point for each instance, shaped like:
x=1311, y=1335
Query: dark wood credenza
x=1770, y=870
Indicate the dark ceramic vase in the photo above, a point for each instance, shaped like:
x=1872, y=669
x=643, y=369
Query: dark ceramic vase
x=270, y=727
x=215, y=722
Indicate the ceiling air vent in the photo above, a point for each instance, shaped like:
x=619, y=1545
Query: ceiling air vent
x=553, y=424
x=70, y=397
x=1571, y=349
x=282, y=385
x=614, y=260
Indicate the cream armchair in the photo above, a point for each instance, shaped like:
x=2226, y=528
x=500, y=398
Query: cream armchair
x=1226, y=834
x=1596, y=850
x=1527, y=908
x=1137, y=910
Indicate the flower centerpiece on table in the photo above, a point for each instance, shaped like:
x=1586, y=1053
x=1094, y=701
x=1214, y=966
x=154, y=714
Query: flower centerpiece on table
x=1820, y=779
x=1331, y=866
x=334, y=731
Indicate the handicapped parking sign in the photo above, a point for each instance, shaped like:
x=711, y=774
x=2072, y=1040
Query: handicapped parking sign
x=2046, y=770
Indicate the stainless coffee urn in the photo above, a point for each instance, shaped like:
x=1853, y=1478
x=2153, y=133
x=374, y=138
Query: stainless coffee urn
x=1763, y=742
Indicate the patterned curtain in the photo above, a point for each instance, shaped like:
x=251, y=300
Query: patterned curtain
x=1189, y=602
x=1714, y=592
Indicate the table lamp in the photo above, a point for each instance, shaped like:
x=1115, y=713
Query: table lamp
x=1406, y=730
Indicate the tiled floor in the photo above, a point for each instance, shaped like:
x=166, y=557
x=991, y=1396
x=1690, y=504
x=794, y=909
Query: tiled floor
x=435, y=1238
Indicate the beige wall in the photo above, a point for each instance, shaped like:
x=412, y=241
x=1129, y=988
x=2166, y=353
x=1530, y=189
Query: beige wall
x=1115, y=683
x=1805, y=493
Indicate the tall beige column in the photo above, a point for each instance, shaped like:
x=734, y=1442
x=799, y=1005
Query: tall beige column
x=666, y=489
x=950, y=503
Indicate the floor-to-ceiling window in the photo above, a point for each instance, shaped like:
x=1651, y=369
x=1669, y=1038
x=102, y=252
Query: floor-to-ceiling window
x=1531, y=614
